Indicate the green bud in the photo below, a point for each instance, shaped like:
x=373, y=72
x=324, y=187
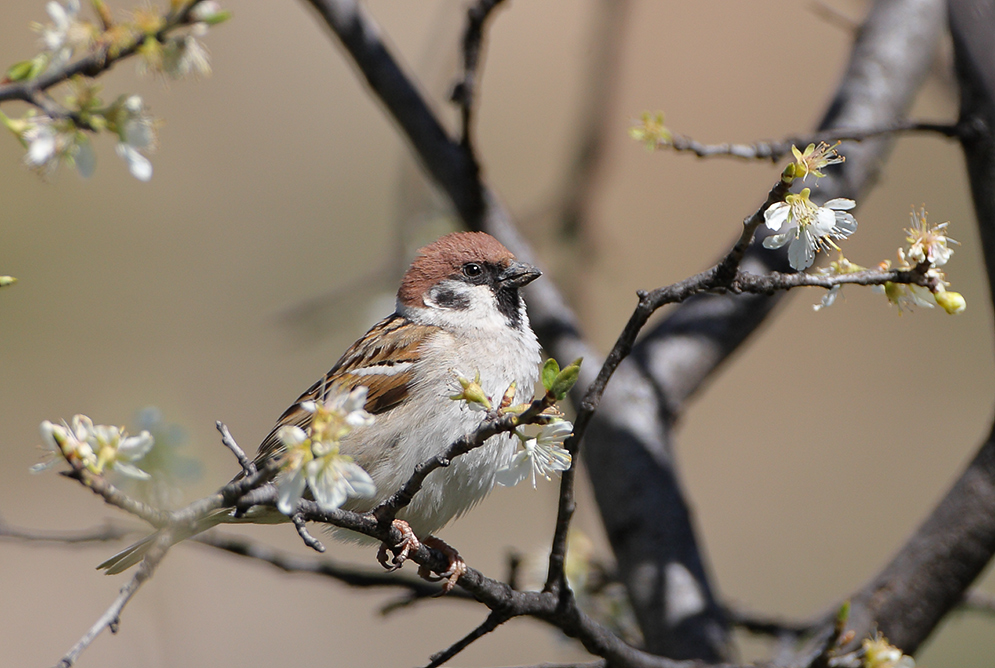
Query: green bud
x=843, y=613
x=550, y=370
x=17, y=126
x=566, y=379
x=216, y=18
x=27, y=69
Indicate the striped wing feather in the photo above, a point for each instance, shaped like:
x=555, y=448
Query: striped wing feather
x=383, y=360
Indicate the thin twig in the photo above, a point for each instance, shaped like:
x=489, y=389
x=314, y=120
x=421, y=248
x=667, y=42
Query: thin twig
x=388, y=509
x=112, y=616
x=92, y=65
x=494, y=620
x=776, y=150
x=301, y=525
x=100, y=534
x=248, y=466
x=765, y=625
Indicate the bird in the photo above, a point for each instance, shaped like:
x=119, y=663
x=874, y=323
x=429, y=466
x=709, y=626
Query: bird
x=459, y=313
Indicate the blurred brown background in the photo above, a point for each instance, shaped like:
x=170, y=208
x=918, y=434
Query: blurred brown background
x=278, y=181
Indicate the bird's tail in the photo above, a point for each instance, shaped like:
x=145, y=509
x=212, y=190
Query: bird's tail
x=131, y=555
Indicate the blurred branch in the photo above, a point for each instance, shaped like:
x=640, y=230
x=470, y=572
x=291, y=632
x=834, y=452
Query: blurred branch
x=93, y=65
x=108, y=531
x=494, y=620
x=767, y=625
x=349, y=575
x=601, y=81
x=978, y=601
x=465, y=90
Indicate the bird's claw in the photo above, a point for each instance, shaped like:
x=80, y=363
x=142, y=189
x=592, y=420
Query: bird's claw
x=409, y=541
x=457, y=567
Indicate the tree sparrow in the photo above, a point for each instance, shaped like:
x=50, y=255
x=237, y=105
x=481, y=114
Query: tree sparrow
x=459, y=312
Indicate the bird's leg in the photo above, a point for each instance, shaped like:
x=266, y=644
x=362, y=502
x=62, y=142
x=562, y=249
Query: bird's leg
x=409, y=541
x=457, y=566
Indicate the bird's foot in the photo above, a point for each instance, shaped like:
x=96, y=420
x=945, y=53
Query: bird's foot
x=409, y=541
x=457, y=566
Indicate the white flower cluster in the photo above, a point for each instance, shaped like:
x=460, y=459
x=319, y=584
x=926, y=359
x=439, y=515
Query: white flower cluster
x=313, y=460
x=927, y=244
x=56, y=137
x=96, y=447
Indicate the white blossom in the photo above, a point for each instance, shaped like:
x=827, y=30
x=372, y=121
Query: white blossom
x=928, y=243
x=137, y=136
x=49, y=144
x=97, y=447
x=808, y=227
x=186, y=55
x=65, y=34
x=313, y=460
x=539, y=456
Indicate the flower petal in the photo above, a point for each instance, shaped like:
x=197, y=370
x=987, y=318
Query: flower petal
x=290, y=490
x=840, y=204
x=800, y=253
x=130, y=471
x=776, y=215
x=516, y=471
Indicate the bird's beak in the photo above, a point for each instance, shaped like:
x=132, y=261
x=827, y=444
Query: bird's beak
x=518, y=274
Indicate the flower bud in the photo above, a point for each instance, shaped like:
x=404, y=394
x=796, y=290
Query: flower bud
x=951, y=302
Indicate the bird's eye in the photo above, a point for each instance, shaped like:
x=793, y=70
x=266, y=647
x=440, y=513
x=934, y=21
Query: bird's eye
x=472, y=270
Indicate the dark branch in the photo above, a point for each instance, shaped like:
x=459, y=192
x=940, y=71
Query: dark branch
x=93, y=65
x=465, y=91
x=349, y=575
x=388, y=509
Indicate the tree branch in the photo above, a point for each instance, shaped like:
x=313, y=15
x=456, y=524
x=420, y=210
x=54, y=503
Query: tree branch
x=465, y=90
x=112, y=616
x=775, y=151
x=93, y=65
x=630, y=447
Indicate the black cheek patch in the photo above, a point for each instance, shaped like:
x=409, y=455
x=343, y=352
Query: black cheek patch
x=446, y=298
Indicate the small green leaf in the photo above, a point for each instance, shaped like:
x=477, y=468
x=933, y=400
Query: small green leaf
x=843, y=614
x=550, y=370
x=7, y=280
x=565, y=379
x=25, y=70
x=216, y=18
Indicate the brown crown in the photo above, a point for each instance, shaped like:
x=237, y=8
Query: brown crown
x=444, y=257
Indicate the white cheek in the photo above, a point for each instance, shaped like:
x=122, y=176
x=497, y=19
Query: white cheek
x=479, y=312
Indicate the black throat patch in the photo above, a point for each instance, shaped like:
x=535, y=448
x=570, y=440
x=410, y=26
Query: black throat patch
x=509, y=304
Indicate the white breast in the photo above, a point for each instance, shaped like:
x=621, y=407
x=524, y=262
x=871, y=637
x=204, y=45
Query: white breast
x=429, y=421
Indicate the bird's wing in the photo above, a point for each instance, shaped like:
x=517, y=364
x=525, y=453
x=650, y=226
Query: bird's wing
x=383, y=360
